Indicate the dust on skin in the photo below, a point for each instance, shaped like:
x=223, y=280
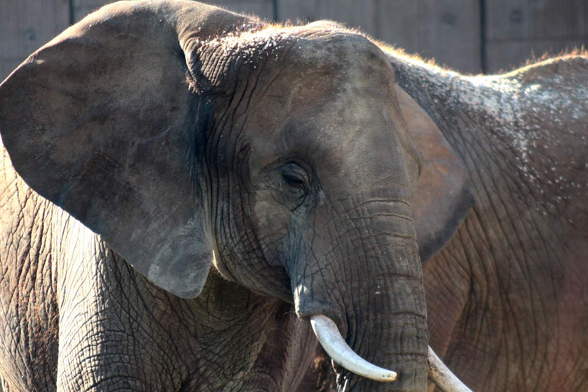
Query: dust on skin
x=516, y=104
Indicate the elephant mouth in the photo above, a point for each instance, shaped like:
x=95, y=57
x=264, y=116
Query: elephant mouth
x=335, y=346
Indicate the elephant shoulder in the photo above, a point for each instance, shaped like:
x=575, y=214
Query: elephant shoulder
x=566, y=75
x=25, y=216
x=566, y=67
x=28, y=301
x=551, y=94
x=13, y=189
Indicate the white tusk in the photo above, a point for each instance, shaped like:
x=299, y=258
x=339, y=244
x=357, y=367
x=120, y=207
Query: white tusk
x=330, y=338
x=443, y=377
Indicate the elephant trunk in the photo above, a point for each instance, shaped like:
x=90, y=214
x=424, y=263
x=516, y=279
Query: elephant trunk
x=365, y=275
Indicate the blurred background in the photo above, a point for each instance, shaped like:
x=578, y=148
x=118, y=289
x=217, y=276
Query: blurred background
x=473, y=36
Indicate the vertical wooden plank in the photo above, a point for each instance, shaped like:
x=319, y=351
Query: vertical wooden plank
x=352, y=13
x=507, y=55
x=82, y=8
x=445, y=30
x=450, y=33
x=448, y=30
x=520, y=29
x=25, y=25
x=537, y=19
x=397, y=23
x=261, y=8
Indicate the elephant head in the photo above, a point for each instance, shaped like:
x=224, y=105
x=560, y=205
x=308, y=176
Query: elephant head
x=286, y=158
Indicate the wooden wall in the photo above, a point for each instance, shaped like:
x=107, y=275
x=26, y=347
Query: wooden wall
x=518, y=29
x=468, y=35
x=27, y=24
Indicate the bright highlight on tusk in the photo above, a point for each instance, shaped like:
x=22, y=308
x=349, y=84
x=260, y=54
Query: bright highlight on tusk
x=330, y=338
x=443, y=377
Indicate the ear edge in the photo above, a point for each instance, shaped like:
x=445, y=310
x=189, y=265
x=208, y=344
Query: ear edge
x=442, y=194
x=429, y=247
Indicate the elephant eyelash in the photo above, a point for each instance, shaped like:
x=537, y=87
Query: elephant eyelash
x=295, y=176
x=294, y=181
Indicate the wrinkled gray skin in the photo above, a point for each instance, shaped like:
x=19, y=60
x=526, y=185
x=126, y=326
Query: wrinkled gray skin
x=224, y=163
x=272, y=175
x=507, y=297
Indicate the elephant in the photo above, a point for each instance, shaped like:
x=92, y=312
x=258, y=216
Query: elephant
x=197, y=200
x=507, y=295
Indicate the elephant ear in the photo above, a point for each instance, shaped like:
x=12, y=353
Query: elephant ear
x=102, y=122
x=442, y=196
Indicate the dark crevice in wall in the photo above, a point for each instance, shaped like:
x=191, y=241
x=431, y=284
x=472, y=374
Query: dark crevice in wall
x=483, y=57
x=72, y=17
x=276, y=13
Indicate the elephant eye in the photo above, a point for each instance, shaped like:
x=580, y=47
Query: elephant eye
x=294, y=176
x=293, y=181
x=295, y=186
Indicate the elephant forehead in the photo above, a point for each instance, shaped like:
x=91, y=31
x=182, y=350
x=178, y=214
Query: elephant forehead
x=316, y=70
x=338, y=47
x=309, y=89
x=334, y=125
x=293, y=54
x=350, y=60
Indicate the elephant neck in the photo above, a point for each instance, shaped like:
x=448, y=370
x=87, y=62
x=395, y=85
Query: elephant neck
x=511, y=132
x=477, y=115
x=269, y=349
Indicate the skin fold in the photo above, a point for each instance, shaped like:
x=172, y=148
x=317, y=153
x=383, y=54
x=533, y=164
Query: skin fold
x=194, y=184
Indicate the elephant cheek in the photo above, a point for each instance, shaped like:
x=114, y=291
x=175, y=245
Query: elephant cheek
x=270, y=225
